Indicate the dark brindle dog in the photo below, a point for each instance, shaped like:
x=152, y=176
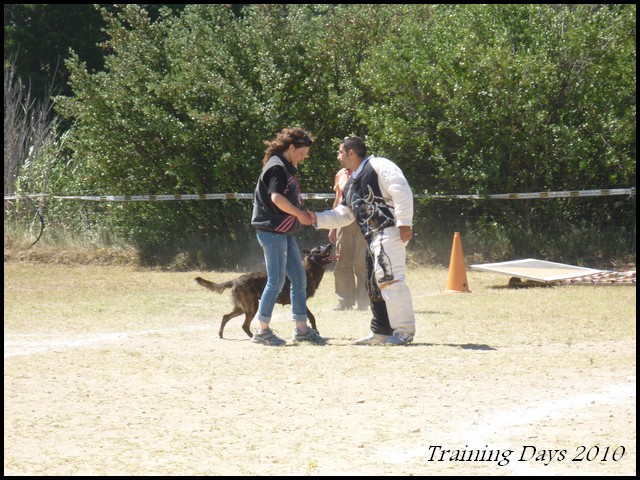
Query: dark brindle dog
x=247, y=289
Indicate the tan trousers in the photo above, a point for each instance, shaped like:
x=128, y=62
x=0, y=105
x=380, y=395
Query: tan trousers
x=350, y=271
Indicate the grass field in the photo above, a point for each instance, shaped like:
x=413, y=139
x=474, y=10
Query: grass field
x=115, y=370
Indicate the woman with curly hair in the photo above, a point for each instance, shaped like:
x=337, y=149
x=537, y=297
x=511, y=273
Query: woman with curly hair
x=277, y=216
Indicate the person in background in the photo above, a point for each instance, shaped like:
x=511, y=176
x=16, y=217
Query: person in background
x=351, y=247
x=377, y=196
x=277, y=216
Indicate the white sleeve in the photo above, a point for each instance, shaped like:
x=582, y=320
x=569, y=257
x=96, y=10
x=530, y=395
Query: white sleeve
x=394, y=185
x=340, y=216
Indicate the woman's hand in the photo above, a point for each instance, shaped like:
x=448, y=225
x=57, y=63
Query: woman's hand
x=304, y=218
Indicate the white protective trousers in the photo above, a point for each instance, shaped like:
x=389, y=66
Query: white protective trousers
x=387, y=245
x=389, y=257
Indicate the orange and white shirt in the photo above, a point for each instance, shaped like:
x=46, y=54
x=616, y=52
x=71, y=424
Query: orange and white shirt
x=339, y=182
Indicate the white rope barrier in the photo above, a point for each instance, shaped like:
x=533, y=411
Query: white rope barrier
x=326, y=196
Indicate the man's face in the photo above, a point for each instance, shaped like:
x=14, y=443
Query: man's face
x=344, y=157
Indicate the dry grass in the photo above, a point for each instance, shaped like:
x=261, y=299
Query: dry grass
x=52, y=255
x=116, y=370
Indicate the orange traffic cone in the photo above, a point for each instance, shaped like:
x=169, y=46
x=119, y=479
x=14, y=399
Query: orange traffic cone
x=457, y=281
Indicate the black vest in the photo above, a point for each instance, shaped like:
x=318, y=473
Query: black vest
x=266, y=216
x=363, y=196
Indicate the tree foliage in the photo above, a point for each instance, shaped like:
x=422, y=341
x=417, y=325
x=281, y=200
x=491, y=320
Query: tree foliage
x=39, y=35
x=465, y=98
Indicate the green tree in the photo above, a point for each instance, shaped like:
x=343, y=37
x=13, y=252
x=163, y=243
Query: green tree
x=510, y=98
x=465, y=98
x=39, y=36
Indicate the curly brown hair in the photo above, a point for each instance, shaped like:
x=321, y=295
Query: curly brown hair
x=297, y=136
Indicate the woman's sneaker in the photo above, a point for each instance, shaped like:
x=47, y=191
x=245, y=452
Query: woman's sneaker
x=268, y=337
x=310, y=336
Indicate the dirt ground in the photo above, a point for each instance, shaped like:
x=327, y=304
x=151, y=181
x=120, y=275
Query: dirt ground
x=165, y=396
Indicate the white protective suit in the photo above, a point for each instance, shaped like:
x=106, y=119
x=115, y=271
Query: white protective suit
x=379, y=199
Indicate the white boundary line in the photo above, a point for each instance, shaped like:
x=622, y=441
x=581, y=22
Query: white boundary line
x=14, y=347
x=494, y=425
x=488, y=427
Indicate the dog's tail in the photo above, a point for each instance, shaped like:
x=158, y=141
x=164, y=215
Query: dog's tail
x=216, y=287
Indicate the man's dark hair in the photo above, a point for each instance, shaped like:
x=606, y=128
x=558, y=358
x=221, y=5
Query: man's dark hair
x=356, y=144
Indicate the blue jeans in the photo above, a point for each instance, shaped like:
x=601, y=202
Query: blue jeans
x=283, y=259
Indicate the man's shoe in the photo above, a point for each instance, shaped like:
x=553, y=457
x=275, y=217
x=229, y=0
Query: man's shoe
x=268, y=337
x=399, y=339
x=310, y=336
x=373, y=339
